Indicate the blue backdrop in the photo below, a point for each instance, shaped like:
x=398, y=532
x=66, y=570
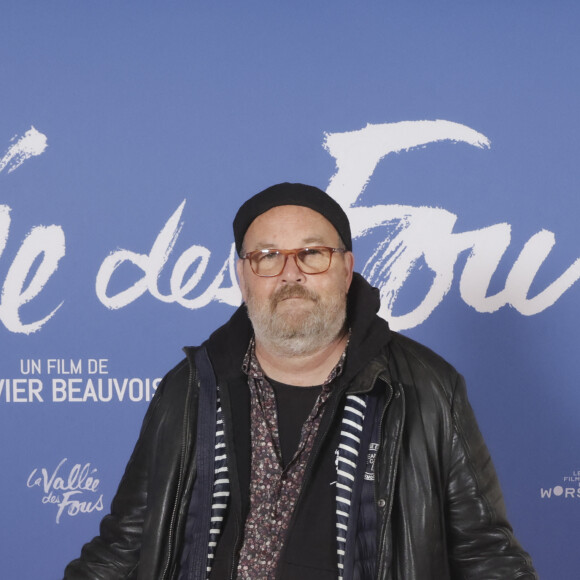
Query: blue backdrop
x=130, y=134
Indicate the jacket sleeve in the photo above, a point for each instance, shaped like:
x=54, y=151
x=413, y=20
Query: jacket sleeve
x=114, y=553
x=481, y=540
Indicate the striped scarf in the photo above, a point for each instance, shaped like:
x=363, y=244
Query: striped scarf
x=221, y=487
x=346, y=462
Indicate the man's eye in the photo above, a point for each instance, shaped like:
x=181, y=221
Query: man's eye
x=269, y=256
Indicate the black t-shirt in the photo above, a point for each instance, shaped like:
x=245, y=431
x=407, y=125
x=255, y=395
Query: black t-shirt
x=293, y=405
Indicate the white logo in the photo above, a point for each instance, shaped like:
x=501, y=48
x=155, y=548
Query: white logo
x=73, y=492
x=371, y=457
x=569, y=489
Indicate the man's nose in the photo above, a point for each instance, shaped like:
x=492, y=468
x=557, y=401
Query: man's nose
x=291, y=271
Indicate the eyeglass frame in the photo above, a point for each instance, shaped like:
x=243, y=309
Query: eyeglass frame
x=286, y=253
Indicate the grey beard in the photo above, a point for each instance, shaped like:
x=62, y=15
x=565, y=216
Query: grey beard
x=297, y=334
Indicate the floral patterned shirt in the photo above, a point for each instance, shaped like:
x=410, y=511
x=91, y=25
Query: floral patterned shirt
x=274, y=489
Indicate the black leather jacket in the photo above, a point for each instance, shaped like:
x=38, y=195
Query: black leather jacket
x=440, y=509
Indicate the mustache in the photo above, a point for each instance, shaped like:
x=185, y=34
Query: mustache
x=293, y=291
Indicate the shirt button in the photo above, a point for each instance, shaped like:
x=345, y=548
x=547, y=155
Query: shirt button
x=382, y=503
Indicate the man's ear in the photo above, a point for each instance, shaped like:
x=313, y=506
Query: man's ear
x=349, y=265
x=241, y=279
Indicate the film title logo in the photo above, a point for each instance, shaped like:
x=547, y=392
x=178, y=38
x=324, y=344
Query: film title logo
x=72, y=489
x=568, y=489
x=414, y=235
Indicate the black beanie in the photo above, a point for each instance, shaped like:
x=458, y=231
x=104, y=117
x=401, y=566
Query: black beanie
x=291, y=194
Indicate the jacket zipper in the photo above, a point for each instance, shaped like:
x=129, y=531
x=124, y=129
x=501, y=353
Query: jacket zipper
x=236, y=551
x=185, y=432
x=380, y=563
x=385, y=407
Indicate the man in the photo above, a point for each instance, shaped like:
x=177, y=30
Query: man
x=304, y=439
